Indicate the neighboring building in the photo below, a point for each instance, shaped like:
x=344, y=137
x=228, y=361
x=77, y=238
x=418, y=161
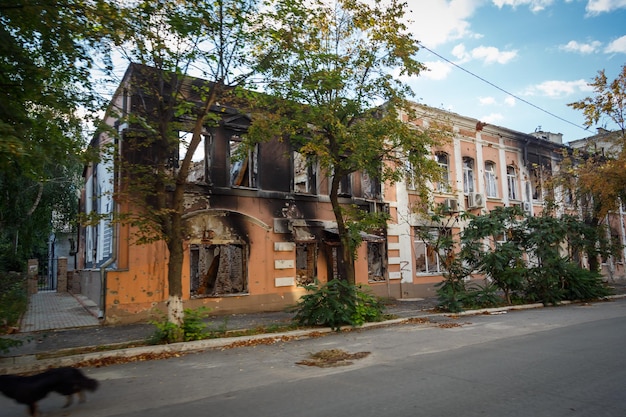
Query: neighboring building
x=262, y=227
x=485, y=166
x=604, y=142
x=608, y=144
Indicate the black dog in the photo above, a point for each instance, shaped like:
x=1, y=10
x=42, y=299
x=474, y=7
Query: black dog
x=30, y=389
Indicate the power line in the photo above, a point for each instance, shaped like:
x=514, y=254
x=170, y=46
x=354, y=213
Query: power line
x=502, y=89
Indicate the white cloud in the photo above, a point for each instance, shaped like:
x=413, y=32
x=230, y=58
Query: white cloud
x=488, y=54
x=437, y=70
x=558, y=89
x=595, y=7
x=435, y=22
x=491, y=101
x=618, y=45
x=582, y=48
x=534, y=5
x=492, y=118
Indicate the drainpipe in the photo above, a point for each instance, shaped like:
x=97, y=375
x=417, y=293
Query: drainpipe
x=103, y=273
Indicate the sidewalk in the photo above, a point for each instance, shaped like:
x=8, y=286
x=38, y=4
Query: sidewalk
x=58, y=324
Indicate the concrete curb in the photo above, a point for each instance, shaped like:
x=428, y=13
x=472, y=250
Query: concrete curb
x=30, y=363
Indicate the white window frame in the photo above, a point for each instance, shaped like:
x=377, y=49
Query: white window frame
x=468, y=175
x=511, y=181
x=444, y=185
x=491, y=182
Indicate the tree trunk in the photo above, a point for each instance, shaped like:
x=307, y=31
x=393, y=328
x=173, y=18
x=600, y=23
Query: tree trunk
x=175, y=223
x=175, y=312
x=345, y=248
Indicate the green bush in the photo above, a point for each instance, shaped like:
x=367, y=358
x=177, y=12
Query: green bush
x=13, y=304
x=192, y=328
x=482, y=296
x=582, y=284
x=450, y=294
x=337, y=303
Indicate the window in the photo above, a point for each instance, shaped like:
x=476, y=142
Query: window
x=306, y=263
x=375, y=264
x=370, y=186
x=304, y=178
x=491, y=185
x=410, y=175
x=511, y=180
x=218, y=269
x=426, y=257
x=345, y=186
x=536, y=183
x=468, y=175
x=243, y=164
x=197, y=170
x=443, y=161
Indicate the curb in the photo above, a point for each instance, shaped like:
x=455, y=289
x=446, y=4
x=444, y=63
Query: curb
x=30, y=363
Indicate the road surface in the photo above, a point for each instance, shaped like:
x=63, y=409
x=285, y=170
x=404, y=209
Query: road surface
x=555, y=361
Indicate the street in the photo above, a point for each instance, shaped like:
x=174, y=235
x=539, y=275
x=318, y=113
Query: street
x=554, y=361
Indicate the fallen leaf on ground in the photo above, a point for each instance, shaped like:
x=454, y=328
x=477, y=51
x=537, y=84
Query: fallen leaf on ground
x=332, y=357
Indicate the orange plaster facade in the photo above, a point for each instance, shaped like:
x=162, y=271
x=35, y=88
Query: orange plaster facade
x=253, y=246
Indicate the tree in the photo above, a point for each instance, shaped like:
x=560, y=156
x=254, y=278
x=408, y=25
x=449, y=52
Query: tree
x=599, y=180
x=45, y=57
x=493, y=244
x=335, y=90
x=214, y=38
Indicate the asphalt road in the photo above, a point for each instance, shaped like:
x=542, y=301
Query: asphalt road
x=563, y=361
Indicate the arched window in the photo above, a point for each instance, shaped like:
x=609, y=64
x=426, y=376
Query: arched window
x=491, y=185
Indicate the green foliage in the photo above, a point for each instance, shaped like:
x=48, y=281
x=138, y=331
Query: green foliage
x=441, y=239
x=337, y=303
x=451, y=292
x=494, y=245
x=581, y=284
x=193, y=327
x=329, y=71
x=522, y=257
x=13, y=304
x=482, y=296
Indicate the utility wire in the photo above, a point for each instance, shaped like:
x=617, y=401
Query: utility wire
x=502, y=89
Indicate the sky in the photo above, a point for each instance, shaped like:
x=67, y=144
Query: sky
x=517, y=63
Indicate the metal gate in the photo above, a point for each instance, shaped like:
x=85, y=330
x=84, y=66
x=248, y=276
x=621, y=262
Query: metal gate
x=48, y=277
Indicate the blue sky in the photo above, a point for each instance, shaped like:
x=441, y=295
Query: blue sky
x=544, y=52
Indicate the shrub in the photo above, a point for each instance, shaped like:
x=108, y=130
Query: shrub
x=192, y=328
x=482, y=296
x=582, y=284
x=337, y=303
x=13, y=304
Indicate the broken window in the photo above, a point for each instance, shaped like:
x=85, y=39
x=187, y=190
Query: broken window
x=345, y=186
x=444, y=163
x=426, y=257
x=375, y=261
x=491, y=183
x=536, y=183
x=218, y=269
x=370, y=186
x=304, y=179
x=198, y=168
x=305, y=263
x=243, y=164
